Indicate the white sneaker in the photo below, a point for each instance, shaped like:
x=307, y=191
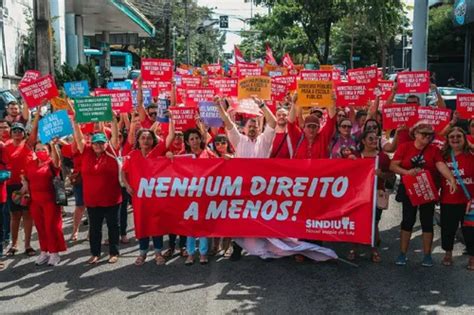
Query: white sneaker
x=42, y=258
x=54, y=259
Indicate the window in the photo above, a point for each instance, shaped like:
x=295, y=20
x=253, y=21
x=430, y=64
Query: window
x=117, y=61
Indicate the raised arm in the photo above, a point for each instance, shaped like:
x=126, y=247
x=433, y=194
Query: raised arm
x=440, y=102
x=267, y=113
x=55, y=157
x=171, y=131
x=140, y=107
x=78, y=137
x=229, y=124
x=25, y=112
x=391, y=97
x=33, y=137
x=114, y=140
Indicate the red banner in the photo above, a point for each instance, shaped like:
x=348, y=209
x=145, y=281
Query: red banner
x=35, y=92
x=121, y=99
x=398, y=115
x=157, y=69
x=279, y=91
x=289, y=80
x=350, y=94
x=413, y=82
x=316, y=75
x=243, y=72
x=367, y=76
x=184, y=117
x=437, y=117
x=383, y=89
x=196, y=95
x=224, y=86
x=190, y=81
x=213, y=69
x=29, y=76
x=465, y=105
x=420, y=188
x=328, y=200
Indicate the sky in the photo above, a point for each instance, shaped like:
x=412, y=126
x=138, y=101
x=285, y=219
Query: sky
x=235, y=9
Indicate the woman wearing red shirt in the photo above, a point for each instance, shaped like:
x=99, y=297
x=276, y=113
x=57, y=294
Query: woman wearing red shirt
x=409, y=159
x=102, y=190
x=38, y=181
x=453, y=205
x=3, y=200
x=16, y=154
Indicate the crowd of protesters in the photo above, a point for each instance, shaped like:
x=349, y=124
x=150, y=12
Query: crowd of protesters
x=97, y=164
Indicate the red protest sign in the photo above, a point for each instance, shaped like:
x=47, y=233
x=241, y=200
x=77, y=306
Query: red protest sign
x=413, y=82
x=367, y=76
x=180, y=95
x=394, y=116
x=351, y=94
x=183, y=117
x=420, y=188
x=290, y=81
x=196, y=95
x=336, y=75
x=36, y=91
x=224, y=86
x=437, y=117
x=213, y=69
x=316, y=75
x=243, y=72
x=157, y=69
x=190, y=81
x=326, y=200
x=279, y=91
x=465, y=105
x=29, y=76
x=121, y=99
x=383, y=90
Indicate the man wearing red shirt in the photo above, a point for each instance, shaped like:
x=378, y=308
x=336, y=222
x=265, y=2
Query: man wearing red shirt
x=15, y=116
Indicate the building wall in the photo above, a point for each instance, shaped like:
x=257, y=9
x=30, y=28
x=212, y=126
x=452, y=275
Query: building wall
x=58, y=24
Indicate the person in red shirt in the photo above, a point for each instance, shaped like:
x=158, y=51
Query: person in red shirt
x=38, y=181
x=3, y=200
x=102, y=189
x=4, y=130
x=470, y=135
x=15, y=116
x=281, y=143
x=16, y=154
x=453, y=204
x=409, y=159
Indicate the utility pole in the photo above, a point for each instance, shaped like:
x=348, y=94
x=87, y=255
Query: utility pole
x=167, y=18
x=186, y=31
x=419, y=58
x=174, y=45
x=43, y=37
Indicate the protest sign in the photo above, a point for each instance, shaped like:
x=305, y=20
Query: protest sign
x=209, y=114
x=157, y=69
x=367, y=76
x=279, y=91
x=55, y=125
x=183, y=117
x=35, y=92
x=437, y=117
x=260, y=87
x=93, y=109
x=147, y=97
x=119, y=85
x=326, y=67
x=420, y=188
x=121, y=100
x=465, y=105
x=398, y=115
x=314, y=93
x=246, y=106
x=162, y=110
x=289, y=80
x=59, y=103
x=196, y=95
x=76, y=89
x=28, y=77
x=327, y=200
x=188, y=81
x=316, y=75
x=224, y=86
x=243, y=72
x=213, y=69
x=352, y=94
x=383, y=90
x=413, y=82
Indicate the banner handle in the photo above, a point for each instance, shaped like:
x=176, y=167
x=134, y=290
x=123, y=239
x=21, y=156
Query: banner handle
x=374, y=201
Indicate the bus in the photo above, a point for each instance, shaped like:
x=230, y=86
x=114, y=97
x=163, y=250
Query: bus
x=121, y=63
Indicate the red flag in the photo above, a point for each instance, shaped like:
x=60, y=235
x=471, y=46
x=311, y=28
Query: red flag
x=269, y=56
x=287, y=62
x=239, y=58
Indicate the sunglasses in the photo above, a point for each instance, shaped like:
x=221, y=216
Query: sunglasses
x=312, y=126
x=153, y=113
x=412, y=102
x=220, y=142
x=346, y=126
x=371, y=127
x=455, y=137
x=371, y=139
x=426, y=134
x=17, y=131
x=179, y=135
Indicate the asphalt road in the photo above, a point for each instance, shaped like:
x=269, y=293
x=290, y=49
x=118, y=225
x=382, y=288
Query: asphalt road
x=248, y=286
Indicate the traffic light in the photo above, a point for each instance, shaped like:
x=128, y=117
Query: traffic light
x=223, y=21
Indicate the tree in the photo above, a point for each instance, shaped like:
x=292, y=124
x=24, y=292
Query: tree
x=443, y=38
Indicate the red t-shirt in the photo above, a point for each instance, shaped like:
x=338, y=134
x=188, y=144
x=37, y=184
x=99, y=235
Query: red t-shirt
x=3, y=185
x=40, y=180
x=147, y=123
x=319, y=149
x=404, y=136
x=100, y=179
x=16, y=158
x=384, y=166
x=470, y=139
x=280, y=146
x=135, y=155
x=466, y=171
x=406, y=151
x=66, y=151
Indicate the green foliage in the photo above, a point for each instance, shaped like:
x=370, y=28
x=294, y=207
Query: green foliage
x=443, y=37
x=82, y=72
x=27, y=60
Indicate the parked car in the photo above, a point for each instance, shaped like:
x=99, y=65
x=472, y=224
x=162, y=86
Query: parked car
x=5, y=97
x=133, y=75
x=449, y=95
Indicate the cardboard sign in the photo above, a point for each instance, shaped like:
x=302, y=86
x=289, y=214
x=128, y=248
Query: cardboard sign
x=413, y=82
x=55, y=125
x=29, y=76
x=420, y=188
x=157, y=69
x=224, y=86
x=147, y=97
x=163, y=105
x=351, y=94
x=367, y=76
x=398, y=115
x=246, y=106
x=76, y=89
x=196, y=95
x=188, y=81
x=119, y=85
x=260, y=87
x=209, y=114
x=314, y=93
x=93, y=109
x=465, y=105
x=289, y=80
x=121, y=100
x=279, y=91
x=59, y=103
x=437, y=117
x=316, y=75
x=184, y=117
x=35, y=92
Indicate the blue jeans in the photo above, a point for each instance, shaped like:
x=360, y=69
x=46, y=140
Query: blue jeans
x=191, y=245
x=144, y=244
